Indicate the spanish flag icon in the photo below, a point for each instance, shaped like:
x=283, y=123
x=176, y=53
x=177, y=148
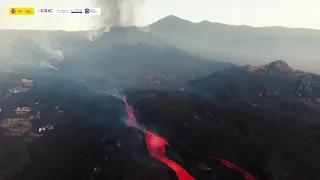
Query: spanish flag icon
x=21, y=11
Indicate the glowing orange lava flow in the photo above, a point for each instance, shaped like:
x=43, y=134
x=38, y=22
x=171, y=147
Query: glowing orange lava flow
x=157, y=146
x=232, y=166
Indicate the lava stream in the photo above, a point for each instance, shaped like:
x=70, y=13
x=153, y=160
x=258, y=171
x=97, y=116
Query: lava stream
x=157, y=146
x=232, y=166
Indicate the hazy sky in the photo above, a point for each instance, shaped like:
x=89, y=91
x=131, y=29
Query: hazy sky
x=290, y=13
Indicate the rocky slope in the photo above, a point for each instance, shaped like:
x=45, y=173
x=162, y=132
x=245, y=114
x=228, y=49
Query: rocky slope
x=267, y=86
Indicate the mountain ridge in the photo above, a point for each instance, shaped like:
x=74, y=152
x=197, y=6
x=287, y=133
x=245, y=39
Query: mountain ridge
x=177, y=18
x=258, y=83
x=215, y=41
x=242, y=44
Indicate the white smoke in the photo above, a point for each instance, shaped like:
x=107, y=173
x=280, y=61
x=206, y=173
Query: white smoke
x=115, y=13
x=94, y=34
x=48, y=65
x=48, y=45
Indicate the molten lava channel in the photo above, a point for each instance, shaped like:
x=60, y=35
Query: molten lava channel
x=157, y=145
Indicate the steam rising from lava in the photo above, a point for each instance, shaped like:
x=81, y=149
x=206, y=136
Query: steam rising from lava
x=115, y=13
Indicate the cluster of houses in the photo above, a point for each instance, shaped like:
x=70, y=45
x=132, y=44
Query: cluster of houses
x=25, y=115
x=26, y=84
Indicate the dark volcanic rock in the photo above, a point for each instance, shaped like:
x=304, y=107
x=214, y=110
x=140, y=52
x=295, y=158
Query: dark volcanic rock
x=272, y=136
x=279, y=66
x=271, y=82
x=258, y=143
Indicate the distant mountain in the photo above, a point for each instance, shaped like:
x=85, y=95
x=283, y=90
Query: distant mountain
x=30, y=47
x=242, y=44
x=219, y=42
x=116, y=36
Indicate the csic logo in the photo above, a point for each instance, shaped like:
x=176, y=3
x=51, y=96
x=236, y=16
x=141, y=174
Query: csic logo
x=45, y=10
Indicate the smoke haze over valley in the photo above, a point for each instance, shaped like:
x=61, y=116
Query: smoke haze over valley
x=211, y=41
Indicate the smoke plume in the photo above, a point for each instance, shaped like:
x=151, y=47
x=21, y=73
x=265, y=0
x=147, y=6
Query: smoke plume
x=48, y=65
x=115, y=13
x=48, y=45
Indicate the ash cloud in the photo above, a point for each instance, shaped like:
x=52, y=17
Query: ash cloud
x=118, y=12
x=115, y=13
